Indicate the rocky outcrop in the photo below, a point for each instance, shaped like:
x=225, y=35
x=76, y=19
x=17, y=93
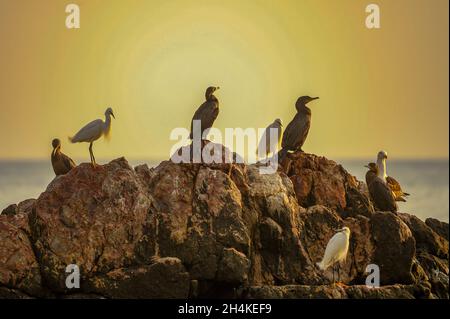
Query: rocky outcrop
x=213, y=230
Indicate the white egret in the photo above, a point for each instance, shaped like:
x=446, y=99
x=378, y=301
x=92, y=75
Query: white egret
x=269, y=141
x=93, y=131
x=336, y=250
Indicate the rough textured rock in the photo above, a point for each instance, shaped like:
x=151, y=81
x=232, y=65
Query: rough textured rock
x=395, y=248
x=166, y=278
x=213, y=230
x=18, y=266
x=92, y=217
x=335, y=292
x=441, y=228
x=319, y=181
x=426, y=239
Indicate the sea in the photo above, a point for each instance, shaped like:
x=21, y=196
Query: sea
x=426, y=180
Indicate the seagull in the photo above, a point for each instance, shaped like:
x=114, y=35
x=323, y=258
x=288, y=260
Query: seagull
x=297, y=130
x=267, y=143
x=336, y=250
x=207, y=112
x=390, y=181
x=93, y=131
x=61, y=163
x=379, y=191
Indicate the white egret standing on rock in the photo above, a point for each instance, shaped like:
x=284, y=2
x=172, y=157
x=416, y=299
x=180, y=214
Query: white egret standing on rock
x=93, y=131
x=267, y=143
x=336, y=250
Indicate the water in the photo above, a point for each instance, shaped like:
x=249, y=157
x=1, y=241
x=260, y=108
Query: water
x=426, y=181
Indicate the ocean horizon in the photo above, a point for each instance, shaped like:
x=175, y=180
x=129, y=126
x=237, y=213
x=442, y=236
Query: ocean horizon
x=427, y=180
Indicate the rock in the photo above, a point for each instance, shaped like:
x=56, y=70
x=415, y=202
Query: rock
x=233, y=267
x=334, y=292
x=319, y=181
x=394, y=248
x=441, y=228
x=145, y=173
x=10, y=210
x=19, y=268
x=166, y=278
x=92, y=217
x=199, y=230
x=26, y=206
x=426, y=239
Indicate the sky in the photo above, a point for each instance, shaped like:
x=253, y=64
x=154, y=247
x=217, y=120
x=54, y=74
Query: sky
x=151, y=61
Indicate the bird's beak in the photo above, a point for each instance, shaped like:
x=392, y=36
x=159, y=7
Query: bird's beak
x=217, y=87
x=313, y=98
x=112, y=114
x=366, y=166
x=338, y=230
x=385, y=156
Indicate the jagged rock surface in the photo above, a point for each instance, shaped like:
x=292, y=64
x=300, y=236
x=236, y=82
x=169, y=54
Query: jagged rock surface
x=214, y=230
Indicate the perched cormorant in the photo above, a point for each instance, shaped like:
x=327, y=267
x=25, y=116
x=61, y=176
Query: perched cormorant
x=297, y=130
x=266, y=143
x=207, y=112
x=61, y=163
x=390, y=181
x=380, y=193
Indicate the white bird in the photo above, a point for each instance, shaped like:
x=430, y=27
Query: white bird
x=268, y=144
x=336, y=250
x=93, y=131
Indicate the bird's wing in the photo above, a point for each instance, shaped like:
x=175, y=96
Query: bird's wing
x=395, y=186
x=334, y=248
x=296, y=132
x=68, y=162
x=382, y=196
x=90, y=130
x=207, y=114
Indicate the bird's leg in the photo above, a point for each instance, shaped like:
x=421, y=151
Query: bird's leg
x=90, y=151
x=338, y=272
x=92, y=155
x=333, y=272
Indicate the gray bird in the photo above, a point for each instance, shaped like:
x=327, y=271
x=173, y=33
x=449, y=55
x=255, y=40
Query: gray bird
x=61, y=163
x=207, y=112
x=267, y=144
x=380, y=193
x=297, y=130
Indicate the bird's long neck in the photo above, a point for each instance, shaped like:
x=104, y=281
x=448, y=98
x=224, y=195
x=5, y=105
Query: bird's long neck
x=302, y=108
x=107, y=124
x=56, y=150
x=381, y=162
x=211, y=97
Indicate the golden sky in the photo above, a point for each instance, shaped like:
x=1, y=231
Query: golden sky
x=152, y=60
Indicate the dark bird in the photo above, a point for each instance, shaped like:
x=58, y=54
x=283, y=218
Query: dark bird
x=297, y=130
x=207, y=112
x=380, y=193
x=61, y=163
x=390, y=181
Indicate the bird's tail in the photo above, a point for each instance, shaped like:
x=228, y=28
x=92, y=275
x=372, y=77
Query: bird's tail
x=321, y=265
